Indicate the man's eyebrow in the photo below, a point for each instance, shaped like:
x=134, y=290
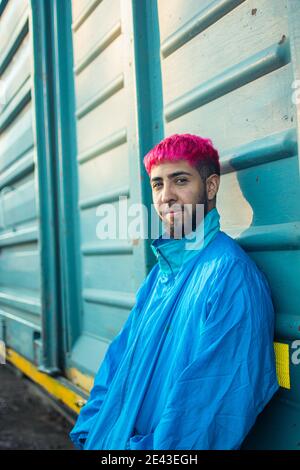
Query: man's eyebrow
x=171, y=175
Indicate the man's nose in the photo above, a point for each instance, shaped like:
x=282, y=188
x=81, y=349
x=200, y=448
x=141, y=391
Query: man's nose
x=168, y=194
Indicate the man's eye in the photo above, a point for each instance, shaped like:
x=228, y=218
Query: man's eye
x=181, y=180
x=155, y=185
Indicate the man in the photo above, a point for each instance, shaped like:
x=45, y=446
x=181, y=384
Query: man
x=193, y=365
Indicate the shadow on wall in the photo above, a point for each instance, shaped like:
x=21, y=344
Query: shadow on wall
x=270, y=192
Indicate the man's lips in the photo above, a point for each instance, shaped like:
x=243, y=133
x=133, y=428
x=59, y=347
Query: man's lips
x=170, y=211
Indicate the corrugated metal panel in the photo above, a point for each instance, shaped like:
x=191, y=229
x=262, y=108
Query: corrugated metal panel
x=20, y=301
x=227, y=74
x=108, y=168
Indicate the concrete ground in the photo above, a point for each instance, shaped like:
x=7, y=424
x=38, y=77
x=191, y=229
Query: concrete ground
x=27, y=418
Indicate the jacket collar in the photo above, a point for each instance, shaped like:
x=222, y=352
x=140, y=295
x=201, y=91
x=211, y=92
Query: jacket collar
x=172, y=253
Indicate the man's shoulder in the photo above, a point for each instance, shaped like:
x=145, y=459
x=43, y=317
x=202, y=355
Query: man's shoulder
x=226, y=252
x=227, y=270
x=226, y=247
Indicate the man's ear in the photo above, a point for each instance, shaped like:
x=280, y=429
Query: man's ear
x=212, y=186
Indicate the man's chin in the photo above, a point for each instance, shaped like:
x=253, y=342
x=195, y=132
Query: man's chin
x=174, y=231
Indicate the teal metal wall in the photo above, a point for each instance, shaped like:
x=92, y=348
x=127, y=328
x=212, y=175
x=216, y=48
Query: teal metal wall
x=20, y=294
x=110, y=78
x=108, y=167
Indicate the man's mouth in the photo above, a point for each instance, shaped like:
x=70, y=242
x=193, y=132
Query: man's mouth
x=171, y=211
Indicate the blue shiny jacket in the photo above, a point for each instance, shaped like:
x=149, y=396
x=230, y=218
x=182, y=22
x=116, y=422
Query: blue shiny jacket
x=194, y=363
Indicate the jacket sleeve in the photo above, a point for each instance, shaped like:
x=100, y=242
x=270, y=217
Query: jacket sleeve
x=215, y=401
x=106, y=372
x=103, y=379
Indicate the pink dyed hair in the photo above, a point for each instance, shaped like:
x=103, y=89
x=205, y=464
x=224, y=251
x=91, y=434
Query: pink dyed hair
x=193, y=148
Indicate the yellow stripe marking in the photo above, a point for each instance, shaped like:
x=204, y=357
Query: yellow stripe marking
x=282, y=364
x=54, y=387
x=83, y=381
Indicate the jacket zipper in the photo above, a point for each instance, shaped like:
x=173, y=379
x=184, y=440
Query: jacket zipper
x=165, y=260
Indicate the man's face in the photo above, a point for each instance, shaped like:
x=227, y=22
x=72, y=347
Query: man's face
x=174, y=185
